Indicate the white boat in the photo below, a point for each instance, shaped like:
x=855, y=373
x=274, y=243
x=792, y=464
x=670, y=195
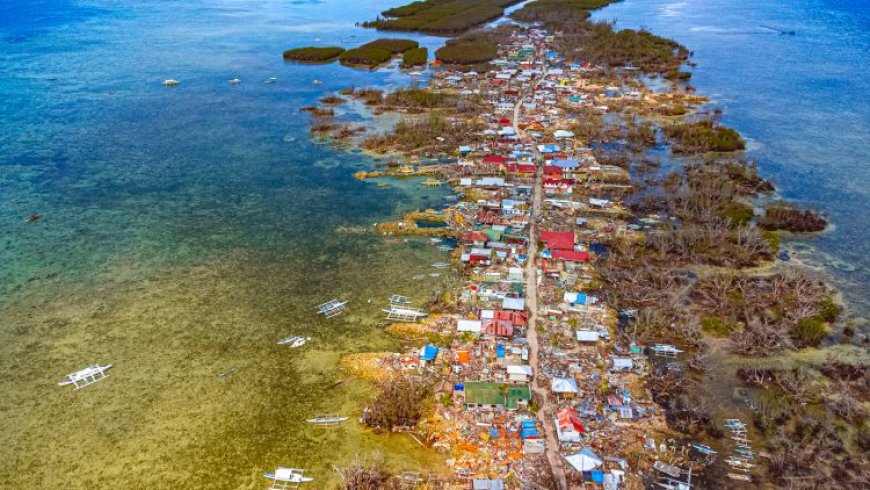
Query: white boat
x=317, y=82
x=283, y=476
x=326, y=420
x=235, y=81
x=294, y=341
x=398, y=314
x=665, y=349
x=271, y=80
x=86, y=376
x=332, y=308
x=440, y=265
x=170, y=82
x=415, y=73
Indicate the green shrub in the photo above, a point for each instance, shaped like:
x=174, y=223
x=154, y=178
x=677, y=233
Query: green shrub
x=810, y=331
x=737, y=213
x=772, y=239
x=313, y=54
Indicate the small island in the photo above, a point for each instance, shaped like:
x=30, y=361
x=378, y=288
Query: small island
x=376, y=53
x=440, y=18
x=415, y=57
x=313, y=54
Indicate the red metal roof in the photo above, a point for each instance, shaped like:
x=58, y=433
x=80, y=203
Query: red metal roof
x=556, y=240
x=571, y=255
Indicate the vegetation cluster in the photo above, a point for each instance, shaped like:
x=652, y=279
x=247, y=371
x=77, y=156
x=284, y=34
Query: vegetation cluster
x=401, y=402
x=470, y=49
x=703, y=136
x=432, y=132
x=600, y=42
x=781, y=215
x=440, y=17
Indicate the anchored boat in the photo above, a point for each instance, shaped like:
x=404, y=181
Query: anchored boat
x=329, y=419
x=86, y=376
x=294, y=341
x=284, y=478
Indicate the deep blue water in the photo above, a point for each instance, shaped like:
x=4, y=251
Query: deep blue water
x=800, y=99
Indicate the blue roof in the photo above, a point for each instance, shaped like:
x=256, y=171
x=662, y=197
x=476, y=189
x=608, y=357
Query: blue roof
x=429, y=353
x=568, y=163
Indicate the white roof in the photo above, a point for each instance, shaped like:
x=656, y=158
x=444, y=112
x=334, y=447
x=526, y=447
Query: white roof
x=622, y=363
x=468, y=326
x=564, y=385
x=587, y=336
x=518, y=304
x=487, y=314
x=520, y=370
x=585, y=460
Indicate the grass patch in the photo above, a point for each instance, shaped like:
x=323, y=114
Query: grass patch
x=313, y=54
x=718, y=326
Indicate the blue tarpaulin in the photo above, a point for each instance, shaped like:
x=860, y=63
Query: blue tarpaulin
x=459, y=387
x=529, y=433
x=428, y=353
x=499, y=351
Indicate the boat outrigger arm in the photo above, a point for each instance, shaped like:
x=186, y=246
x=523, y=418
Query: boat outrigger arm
x=86, y=376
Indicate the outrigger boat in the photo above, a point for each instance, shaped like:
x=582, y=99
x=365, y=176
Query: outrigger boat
x=665, y=350
x=326, y=420
x=703, y=449
x=294, y=341
x=440, y=265
x=283, y=478
x=86, y=376
x=332, y=308
x=171, y=82
x=397, y=300
x=397, y=314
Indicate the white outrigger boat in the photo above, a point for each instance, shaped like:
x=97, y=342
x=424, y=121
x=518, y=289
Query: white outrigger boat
x=294, y=341
x=283, y=478
x=398, y=314
x=397, y=300
x=86, y=376
x=326, y=419
x=440, y=265
x=234, y=81
x=666, y=350
x=332, y=308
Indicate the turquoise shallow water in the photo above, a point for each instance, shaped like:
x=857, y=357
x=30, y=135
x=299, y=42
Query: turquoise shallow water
x=800, y=100
x=185, y=230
